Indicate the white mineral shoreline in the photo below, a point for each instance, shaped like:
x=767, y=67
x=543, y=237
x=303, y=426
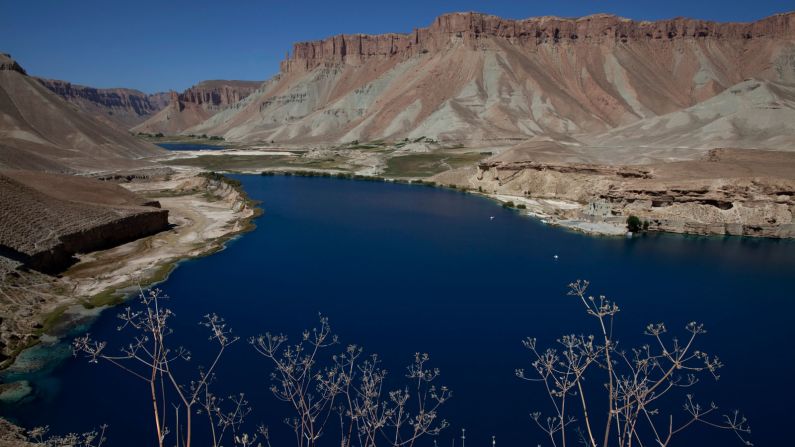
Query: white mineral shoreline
x=201, y=224
x=544, y=210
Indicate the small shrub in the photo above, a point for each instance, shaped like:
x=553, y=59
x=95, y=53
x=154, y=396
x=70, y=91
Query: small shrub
x=634, y=224
x=222, y=178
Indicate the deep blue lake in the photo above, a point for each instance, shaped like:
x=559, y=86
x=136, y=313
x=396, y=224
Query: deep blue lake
x=401, y=269
x=190, y=147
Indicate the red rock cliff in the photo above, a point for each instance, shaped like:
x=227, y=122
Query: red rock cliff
x=218, y=94
x=470, y=27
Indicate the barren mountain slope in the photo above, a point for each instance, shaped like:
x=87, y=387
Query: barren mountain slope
x=121, y=107
x=195, y=105
x=39, y=130
x=480, y=78
x=751, y=114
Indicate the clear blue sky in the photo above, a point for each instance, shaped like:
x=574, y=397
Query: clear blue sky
x=169, y=44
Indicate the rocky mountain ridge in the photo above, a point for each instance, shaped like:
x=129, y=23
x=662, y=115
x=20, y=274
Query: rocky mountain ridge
x=218, y=94
x=39, y=130
x=9, y=64
x=481, y=79
x=122, y=107
x=471, y=27
x=195, y=105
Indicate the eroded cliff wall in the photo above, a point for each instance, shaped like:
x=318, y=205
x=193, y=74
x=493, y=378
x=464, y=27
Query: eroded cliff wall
x=48, y=218
x=195, y=105
x=479, y=78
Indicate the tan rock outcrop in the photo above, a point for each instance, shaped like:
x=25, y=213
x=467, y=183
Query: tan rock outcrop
x=734, y=192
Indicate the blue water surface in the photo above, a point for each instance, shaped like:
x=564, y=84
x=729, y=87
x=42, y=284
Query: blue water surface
x=190, y=147
x=401, y=269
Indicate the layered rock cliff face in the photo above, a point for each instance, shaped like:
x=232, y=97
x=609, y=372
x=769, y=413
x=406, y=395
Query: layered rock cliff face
x=49, y=218
x=218, y=95
x=729, y=191
x=479, y=78
x=122, y=107
x=195, y=105
x=533, y=32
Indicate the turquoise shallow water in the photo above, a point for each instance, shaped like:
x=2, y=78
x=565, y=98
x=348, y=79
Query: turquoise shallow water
x=400, y=269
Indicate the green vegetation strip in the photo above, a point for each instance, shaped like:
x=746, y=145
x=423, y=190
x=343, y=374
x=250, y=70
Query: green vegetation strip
x=428, y=164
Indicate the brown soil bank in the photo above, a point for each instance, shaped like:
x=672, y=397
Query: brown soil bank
x=48, y=218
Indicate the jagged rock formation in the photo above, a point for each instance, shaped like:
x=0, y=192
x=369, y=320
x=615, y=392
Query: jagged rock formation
x=41, y=131
x=480, y=78
x=195, y=105
x=48, y=218
x=122, y=107
x=217, y=95
x=7, y=63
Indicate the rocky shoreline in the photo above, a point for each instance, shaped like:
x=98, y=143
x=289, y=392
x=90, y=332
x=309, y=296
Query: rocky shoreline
x=205, y=211
x=726, y=192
